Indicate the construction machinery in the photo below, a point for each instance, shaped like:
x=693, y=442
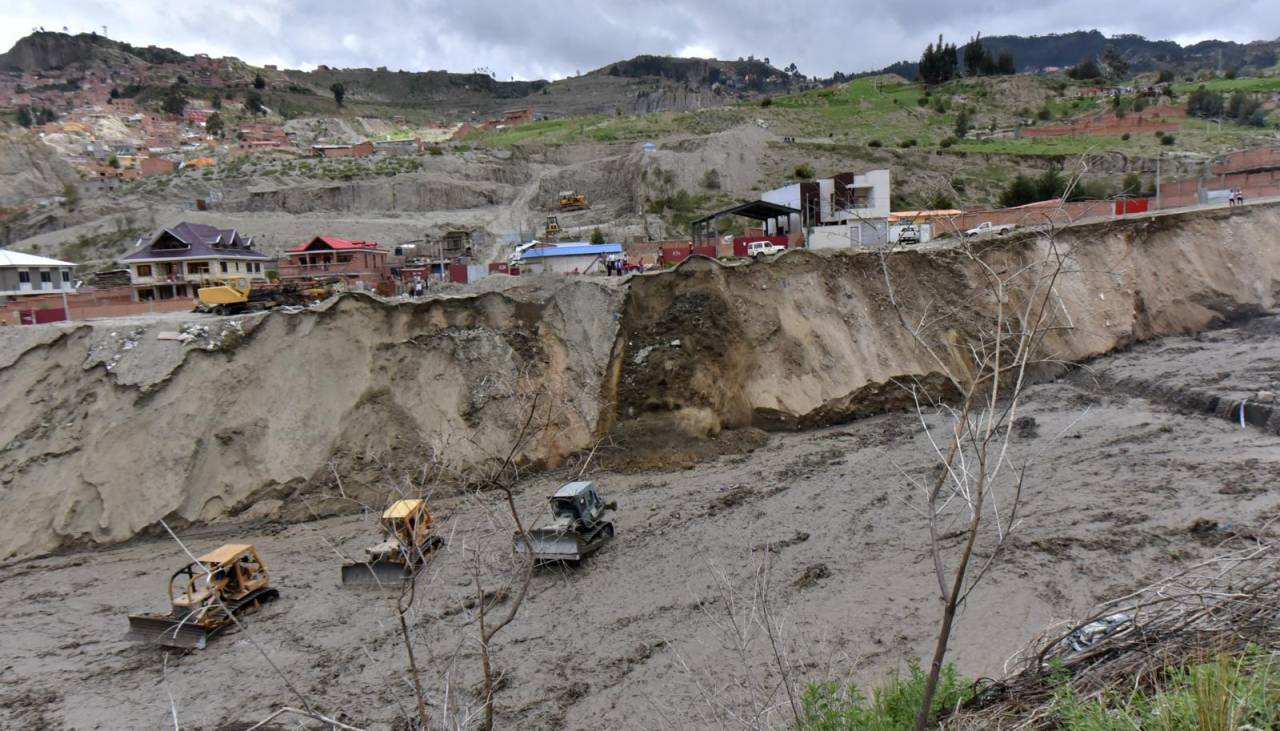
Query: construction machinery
x=552, y=229
x=205, y=596
x=410, y=537
x=571, y=200
x=237, y=294
x=577, y=528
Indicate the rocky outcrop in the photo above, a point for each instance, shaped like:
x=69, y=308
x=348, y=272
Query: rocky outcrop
x=29, y=170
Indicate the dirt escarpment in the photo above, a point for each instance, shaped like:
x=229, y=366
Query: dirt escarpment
x=97, y=446
x=810, y=340
x=108, y=429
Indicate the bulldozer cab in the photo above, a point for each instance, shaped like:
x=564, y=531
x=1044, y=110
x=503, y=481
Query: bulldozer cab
x=408, y=520
x=230, y=572
x=553, y=226
x=578, y=501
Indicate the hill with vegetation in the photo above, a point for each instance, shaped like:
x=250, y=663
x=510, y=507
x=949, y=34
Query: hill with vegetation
x=1061, y=50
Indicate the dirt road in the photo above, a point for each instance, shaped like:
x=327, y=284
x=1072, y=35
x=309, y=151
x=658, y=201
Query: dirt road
x=642, y=636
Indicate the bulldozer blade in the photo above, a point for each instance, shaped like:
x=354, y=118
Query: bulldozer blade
x=551, y=546
x=374, y=573
x=167, y=631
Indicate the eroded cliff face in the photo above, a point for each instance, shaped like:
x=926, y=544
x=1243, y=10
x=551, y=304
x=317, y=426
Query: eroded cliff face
x=108, y=429
x=815, y=339
x=104, y=434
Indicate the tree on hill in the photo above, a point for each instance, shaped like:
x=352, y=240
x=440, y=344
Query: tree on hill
x=253, y=102
x=259, y=82
x=1204, y=103
x=1085, y=70
x=1005, y=65
x=597, y=236
x=339, y=92
x=981, y=61
x=214, y=125
x=938, y=64
x=175, y=102
x=1113, y=63
x=974, y=53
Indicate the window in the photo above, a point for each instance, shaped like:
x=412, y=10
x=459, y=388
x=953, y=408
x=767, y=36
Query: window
x=344, y=258
x=24, y=277
x=224, y=267
x=257, y=266
x=144, y=270
x=46, y=277
x=198, y=267
x=237, y=266
x=66, y=275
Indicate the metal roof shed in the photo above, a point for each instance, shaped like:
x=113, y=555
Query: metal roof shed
x=708, y=227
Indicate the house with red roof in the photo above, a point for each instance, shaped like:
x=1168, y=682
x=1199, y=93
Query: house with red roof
x=361, y=264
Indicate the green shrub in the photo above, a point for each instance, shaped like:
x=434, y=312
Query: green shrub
x=1125, y=136
x=875, y=143
x=947, y=142
x=909, y=142
x=804, y=171
x=766, y=102
x=1167, y=140
x=892, y=707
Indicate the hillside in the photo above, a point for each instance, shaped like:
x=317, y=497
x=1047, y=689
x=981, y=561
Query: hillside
x=1033, y=53
x=641, y=84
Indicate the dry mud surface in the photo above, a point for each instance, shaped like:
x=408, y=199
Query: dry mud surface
x=640, y=635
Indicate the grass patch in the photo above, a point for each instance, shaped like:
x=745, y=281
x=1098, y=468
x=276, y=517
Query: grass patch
x=1045, y=146
x=1256, y=83
x=891, y=707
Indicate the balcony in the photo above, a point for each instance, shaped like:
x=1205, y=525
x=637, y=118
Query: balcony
x=339, y=269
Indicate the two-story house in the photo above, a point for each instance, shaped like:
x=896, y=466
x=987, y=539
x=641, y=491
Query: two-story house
x=28, y=274
x=179, y=259
x=360, y=264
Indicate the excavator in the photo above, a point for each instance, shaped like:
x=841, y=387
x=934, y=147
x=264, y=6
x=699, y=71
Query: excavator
x=237, y=294
x=571, y=200
x=410, y=538
x=205, y=597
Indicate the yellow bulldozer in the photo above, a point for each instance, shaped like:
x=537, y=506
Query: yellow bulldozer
x=204, y=596
x=571, y=200
x=237, y=294
x=410, y=538
x=553, y=229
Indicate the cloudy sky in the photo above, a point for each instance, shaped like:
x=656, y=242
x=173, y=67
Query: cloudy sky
x=554, y=38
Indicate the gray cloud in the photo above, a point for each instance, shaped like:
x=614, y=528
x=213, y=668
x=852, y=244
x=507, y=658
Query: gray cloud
x=552, y=38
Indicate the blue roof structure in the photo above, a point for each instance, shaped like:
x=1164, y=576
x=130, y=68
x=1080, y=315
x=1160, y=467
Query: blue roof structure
x=571, y=250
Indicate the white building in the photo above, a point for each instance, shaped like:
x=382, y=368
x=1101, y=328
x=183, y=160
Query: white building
x=567, y=258
x=28, y=274
x=842, y=211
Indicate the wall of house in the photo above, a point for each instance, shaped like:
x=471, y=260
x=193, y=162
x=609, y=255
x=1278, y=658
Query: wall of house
x=856, y=235
x=584, y=264
x=11, y=284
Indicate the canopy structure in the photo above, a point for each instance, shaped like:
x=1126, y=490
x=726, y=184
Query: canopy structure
x=708, y=227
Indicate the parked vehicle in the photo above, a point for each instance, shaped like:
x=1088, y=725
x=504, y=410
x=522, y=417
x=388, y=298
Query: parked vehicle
x=987, y=228
x=908, y=234
x=760, y=249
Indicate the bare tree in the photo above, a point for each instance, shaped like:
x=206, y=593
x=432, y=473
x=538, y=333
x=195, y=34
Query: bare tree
x=976, y=393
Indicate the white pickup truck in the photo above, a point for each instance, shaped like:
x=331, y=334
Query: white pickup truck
x=987, y=228
x=758, y=249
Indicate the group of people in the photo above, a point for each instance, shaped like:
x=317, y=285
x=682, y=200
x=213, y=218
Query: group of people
x=1237, y=197
x=418, y=288
x=614, y=267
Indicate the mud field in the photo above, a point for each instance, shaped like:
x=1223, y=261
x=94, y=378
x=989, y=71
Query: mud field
x=1121, y=490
